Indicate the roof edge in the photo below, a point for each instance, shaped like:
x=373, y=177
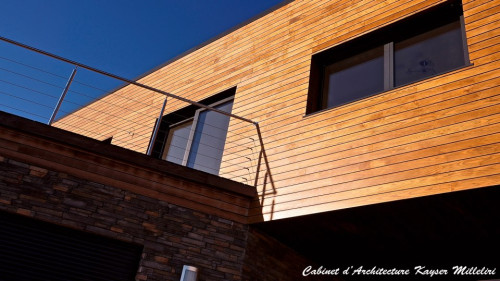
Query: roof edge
x=185, y=53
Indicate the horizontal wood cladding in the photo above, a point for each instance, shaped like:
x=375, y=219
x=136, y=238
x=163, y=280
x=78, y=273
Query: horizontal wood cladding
x=437, y=135
x=440, y=100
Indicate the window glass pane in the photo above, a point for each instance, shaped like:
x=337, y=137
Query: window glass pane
x=354, y=78
x=209, y=139
x=177, y=141
x=428, y=54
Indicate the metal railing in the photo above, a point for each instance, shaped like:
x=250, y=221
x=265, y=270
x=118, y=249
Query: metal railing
x=131, y=114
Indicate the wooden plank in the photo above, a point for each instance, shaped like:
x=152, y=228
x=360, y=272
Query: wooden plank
x=391, y=13
x=485, y=47
x=483, y=29
x=445, y=78
x=410, y=116
x=469, y=4
x=350, y=179
x=379, y=103
x=471, y=183
x=287, y=92
x=298, y=166
x=394, y=155
x=475, y=21
x=381, y=149
x=484, y=7
x=254, y=64
x=303, y=128
x=483, y=36
x=415, y=120
x=439, y=178
x=345, y=149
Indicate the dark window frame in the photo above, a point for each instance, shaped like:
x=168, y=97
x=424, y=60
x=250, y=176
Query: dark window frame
x=192, y=130
x=186, y=123
x=420, y=23
x=181, y=116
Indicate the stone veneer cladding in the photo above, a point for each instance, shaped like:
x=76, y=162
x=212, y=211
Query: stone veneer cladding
x=172, y=236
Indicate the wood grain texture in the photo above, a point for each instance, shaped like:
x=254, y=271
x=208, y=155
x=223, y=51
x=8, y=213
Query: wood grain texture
x=437, y=135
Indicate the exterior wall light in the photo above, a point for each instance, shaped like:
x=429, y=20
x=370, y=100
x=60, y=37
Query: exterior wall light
x=189, y=273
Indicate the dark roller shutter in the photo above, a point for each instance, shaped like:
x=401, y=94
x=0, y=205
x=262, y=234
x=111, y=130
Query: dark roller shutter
x=36, y=250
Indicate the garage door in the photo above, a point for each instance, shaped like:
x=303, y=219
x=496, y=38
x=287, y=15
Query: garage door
x=36, y=250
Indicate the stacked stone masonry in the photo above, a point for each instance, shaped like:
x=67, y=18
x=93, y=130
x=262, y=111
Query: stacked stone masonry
x=68, y=180
x=172, y=236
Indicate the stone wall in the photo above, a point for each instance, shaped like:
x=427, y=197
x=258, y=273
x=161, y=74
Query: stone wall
x=172, y=236
x=178, y=215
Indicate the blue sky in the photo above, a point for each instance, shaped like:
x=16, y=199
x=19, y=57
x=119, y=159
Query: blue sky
x=126, y=38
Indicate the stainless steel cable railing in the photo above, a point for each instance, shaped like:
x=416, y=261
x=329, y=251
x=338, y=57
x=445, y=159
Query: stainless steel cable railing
x=24, y=86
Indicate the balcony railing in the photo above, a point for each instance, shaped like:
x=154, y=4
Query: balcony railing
x=129, y=113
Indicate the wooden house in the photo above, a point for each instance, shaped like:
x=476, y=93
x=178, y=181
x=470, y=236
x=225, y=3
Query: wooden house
x=351, y=134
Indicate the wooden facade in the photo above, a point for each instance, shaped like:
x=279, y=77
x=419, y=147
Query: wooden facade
x=434, y=136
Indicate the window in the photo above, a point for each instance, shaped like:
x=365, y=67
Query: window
x=430, y=53
x=195, y=137
x=340, y=77
x=199, y=141
x=422, y=46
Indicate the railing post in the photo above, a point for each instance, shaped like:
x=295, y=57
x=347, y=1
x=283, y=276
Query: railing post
x=156, y=128
x=61, y=98
x=263, y=154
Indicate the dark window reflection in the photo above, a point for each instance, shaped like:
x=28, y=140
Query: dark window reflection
x=177, y=142
x=209, y=139
x=354, y=78
x=428, y=54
